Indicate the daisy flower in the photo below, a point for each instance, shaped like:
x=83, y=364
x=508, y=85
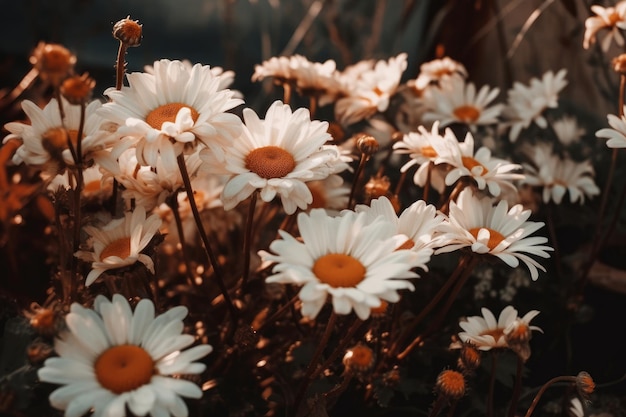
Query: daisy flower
x=277, y=67
x=95, y=187
x=486, y=333
x=421, y=152
x=419, y=222
x=369, y=90
x=276, y=156
x=611, y=18
x=576, y=408
x=437, y=70
x=330, y=193
x=558, y=176
x=526, y=104
x=175, y=109
x=119, y=243
x=457, y=102
x=316, y=78
x=486, y=171
x=616, y=135
x=350, y=258
x=567, y=130
x=45, y=139
x=112, y=357
x=493, y=230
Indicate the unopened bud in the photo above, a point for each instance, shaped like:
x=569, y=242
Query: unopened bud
x=78, y=89
x=53, y=61
x=367, y=144
x=451, y=384
x=128, y=31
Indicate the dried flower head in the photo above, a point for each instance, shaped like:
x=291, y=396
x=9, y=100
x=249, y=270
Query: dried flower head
x=53, y=61
x=367, y=144
x=78, y=89
x=469, y=357
x=585, y=384
x=46, y=320
x=377, y=186
x=359, y=358
x=451, y=384
x=128, y=31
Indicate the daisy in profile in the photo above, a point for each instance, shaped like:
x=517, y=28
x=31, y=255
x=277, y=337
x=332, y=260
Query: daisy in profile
x=173, y=110
x=351, y=259
x=278, y=67
x=112, y=357
x=276, y=156
x=611, y=18
x=419, y=222
x=368, y=88
x=486, y=229
x=526, y=104
x=421, y=152
x=616, y=134
x=484, y=169
x=556, y=176
x=45, y=139
x=486, y=333
x=436, y=71
x=456, y=101
x=119, y=243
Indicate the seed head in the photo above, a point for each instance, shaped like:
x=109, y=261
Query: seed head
x=359, y=358
x=78, y=89
x=53, y=61
x=128, y=31
x=451, y=384
x=585, y=384
x=469, y=357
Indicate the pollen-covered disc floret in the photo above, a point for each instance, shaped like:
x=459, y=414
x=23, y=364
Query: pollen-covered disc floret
x=120, y=242
x=113, y=357
x=350, y=258
x=276, y=156
x=496, y=230
x=173, y=110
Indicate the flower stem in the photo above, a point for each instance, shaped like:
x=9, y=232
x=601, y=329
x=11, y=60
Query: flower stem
x=247, y=242
x=217, y=270
x=347, y=338
x=544, y=388
x=517, y=388
x=492, y=383
x=357, y=180
x=172, y=202
x=314, y=360
x=120, y=66
x=78, y=163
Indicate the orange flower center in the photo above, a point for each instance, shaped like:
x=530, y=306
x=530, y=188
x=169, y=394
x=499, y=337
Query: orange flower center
x=467, y=113
x=495, y=333
x=614, y=18
x=359, y=357
x=495, y=237
x=44, y=319
x=92, y=186
x=270, y=162
x=428, y=152
x=124, y=368
x=339, y=270
x=56, y=59
x=54, y=140
x=167, y=113
x=470, y=163
x=407, y=245
x=119, y=248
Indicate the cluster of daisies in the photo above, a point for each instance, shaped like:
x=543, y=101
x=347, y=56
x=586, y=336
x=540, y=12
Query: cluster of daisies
x=171, y=140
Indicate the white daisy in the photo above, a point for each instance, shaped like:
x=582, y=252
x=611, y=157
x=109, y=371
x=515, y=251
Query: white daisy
x=526, y=104
x=349, y=258
x=567, y=130
x=330, y=194
x=173, y=110
x=576, y=408
x=119, y=243
x=111, y=358
x=616, y=135
x=421, y=152
x=486, y=333
x=494, y=230
x=611, y=18
x=277, y=156
x=369, y=90
x=277, y=67
x=487, y=171
x=419, y=222
x=432, y=72
x=316, y=78
x=95, y=185
x=45, y=139
x=557, y=176
x=456, y=101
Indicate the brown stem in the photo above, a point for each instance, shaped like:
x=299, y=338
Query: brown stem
x=543, y=390
x=357, y=180
x=217, y=270
x=314, y=360
x=492, y=383
x=287, y=92
x=429, y=174
x=553, y=239
x=172, y=202
x=517, y=388
x=437, y=406
x=20, y=88
x=120, y=66
x=313, y=105
x=453, y=195
x=347, y=338
x=278, y=313
x=247, y=242
x=78, y=163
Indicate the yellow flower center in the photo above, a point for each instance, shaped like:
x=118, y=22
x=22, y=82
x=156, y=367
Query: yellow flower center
x=270, y=162
x=124, y=368
x=428, y=152
x=470, y=163
x=119, y=248
x=339, y=270
x=467, y=113
x=167, y=113
x=495, y=237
